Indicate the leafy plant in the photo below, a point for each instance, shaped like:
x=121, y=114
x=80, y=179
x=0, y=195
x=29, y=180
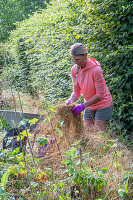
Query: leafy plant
x=124, y=192
x=80, y=175
x=4, y=125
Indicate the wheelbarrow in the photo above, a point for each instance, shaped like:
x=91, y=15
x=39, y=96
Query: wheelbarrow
x=18, y=122
x=14, y=118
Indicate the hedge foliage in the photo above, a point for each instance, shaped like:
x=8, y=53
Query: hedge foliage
x=39, y=49
x=12, y=11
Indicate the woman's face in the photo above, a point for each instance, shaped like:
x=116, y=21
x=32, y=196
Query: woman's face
x=80, y=60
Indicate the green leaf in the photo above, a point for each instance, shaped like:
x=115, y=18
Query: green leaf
x=42, y=141
x=23, y=122
x=93, y=181
x=21, y=164
x=14, y=170
x=45, y=121
x=98, y=199
x=33, y=121
x=34, y=184
x=59, y=131
x=4, y=178
x=104, y=170
x=2, y=193
x=24, y=133
x=121, y=192
x=60, y=123
x=15, y=151
x=51, y=109
x=126, y=186
x=61, y=198
x=77, y=162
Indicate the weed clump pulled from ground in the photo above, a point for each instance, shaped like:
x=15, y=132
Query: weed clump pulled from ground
x=72, y=123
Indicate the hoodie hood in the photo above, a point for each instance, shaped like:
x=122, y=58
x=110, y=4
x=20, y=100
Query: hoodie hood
x=91, y=62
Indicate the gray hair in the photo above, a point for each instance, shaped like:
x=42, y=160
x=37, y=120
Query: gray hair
x=78, y=49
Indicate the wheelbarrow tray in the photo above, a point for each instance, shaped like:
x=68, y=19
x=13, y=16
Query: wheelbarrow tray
x=14, y=118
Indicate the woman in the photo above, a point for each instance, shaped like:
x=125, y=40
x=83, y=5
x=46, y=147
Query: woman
x=88, y=78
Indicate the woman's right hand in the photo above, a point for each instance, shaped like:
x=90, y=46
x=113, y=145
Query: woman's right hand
x=68, y=101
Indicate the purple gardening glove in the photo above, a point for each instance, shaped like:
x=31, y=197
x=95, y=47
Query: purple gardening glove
x=78, y=109
x=68, y=102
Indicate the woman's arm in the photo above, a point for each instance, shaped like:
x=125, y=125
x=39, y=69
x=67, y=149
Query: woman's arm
x=73, y=99
x=91, y=101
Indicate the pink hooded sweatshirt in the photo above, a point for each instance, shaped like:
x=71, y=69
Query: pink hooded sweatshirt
x=90, y=81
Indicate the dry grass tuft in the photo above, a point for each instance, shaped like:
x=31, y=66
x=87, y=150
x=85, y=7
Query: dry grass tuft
x=108, y=153
x=72, y=130
x=72, y=123
x=9, y=101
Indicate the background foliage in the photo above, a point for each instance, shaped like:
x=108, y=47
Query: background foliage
x=12, y=11
x=38, y=51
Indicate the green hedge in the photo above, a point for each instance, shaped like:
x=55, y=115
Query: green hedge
x=12, y=11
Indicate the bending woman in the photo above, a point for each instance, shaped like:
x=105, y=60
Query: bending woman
x=87, y=77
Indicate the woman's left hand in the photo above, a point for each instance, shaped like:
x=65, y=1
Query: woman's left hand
x=78, y=109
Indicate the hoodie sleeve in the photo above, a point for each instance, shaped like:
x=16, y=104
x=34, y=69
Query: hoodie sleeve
x=76, y=88
x=99, y=82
